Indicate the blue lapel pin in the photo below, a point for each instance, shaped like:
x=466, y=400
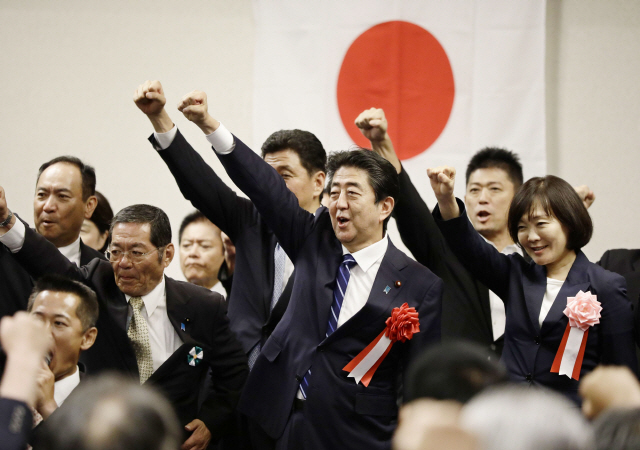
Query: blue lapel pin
x=387, y=289
x=182, y=326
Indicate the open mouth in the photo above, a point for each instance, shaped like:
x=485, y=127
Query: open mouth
x=342, y=221
x=483, y=216
x=538, y=250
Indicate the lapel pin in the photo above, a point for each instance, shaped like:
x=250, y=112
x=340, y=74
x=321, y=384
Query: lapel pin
x=398, y=283
x=387, y=289
x=182, y=327
x=195, y=356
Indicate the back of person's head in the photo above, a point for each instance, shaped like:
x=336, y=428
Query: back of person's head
x=557, y=198
x=87, y=173
x=526, y=418
x=160, y=234
x=618, y=429
x=381, y=174
x=103, y=214
x=497, y=158
x=307, y=146
x=112, y=412
x=87, y=309
x=453, y=371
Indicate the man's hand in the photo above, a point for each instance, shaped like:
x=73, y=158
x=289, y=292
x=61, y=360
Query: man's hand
x=443, y=180
x=195, y=108
x=373, y=125
x=26, y=341
x=229, y=253
x=586, y=195
x=200, y=436
x=4, y=212
x=45, y=403
x=609, y=387
x=149, y=98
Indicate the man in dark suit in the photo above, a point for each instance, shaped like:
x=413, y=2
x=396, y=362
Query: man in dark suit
x=65, y=196
x=305, y=389
x=161, y=331
x=260, y=292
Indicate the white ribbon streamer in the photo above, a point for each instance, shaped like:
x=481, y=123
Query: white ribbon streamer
x=372, y=357
x=571, y=350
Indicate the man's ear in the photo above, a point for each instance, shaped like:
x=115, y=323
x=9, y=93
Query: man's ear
x=386, y=208
x=90, y=206
x=169, y=253
x=89, y=338
x=318, y=180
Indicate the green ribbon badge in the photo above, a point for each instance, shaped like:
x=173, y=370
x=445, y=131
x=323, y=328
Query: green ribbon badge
x=195, y=356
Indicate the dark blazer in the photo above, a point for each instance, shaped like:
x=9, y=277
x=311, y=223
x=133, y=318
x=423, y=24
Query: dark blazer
x=529, y=350
x=16, y=422
x=252, y=289
x=466, y=311
x=203, y=314
x=337, y=412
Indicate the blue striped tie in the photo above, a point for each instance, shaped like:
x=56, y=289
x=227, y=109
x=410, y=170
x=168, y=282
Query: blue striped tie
x=342, y=279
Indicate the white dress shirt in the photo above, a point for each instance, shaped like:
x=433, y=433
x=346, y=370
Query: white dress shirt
x=64, y=387
x=72, y=251
x=163, y=338
x=550, y=294
x=498, y=315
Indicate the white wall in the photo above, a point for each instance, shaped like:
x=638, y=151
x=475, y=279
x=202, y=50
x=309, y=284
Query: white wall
x=69, y=70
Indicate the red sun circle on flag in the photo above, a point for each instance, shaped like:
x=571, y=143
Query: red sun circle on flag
x=401, y=68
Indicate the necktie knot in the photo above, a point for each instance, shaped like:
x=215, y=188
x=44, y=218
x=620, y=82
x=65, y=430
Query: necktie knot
x=136, y=303
x=348, y=260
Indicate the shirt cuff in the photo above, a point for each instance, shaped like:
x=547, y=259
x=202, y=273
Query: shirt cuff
x=164, y=140
x=222, y=140
x=14, y=238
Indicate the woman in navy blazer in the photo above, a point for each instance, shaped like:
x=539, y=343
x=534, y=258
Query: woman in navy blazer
x=549, y=221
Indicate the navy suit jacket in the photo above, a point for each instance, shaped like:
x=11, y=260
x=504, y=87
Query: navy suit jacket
x=206, y=325
x=16, y=422
x=250, y=298
x=338, y=413
x=529, y=350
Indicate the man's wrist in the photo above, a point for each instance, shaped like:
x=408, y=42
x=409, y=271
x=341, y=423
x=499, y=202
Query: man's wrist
x=8, y=221
x=208, y=125
x=161, y=122
x=48, y=408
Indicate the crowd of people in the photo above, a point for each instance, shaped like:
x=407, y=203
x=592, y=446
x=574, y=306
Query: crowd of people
x=301, y=325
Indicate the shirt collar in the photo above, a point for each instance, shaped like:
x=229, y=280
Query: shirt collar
x=153, y=299
x=62, y=388
x=72, y=251
x=366, y=257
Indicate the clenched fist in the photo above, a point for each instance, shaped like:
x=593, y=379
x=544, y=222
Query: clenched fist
x=149, y=97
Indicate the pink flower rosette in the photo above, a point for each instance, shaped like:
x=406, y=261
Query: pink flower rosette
x=402, y=324
x=583, y=310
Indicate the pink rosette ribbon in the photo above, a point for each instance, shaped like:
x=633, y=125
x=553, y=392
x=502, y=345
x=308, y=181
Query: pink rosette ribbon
x=583, y=312
x=401, y=326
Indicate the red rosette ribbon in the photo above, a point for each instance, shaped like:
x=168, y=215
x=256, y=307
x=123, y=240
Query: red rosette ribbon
x=401, y=326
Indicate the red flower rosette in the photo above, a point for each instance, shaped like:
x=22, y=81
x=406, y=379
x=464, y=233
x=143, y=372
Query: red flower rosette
x=402, y=324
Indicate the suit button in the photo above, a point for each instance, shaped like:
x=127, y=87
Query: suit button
x=298, y=378
x=529, y=377
x=537, y=340
x=493, y=347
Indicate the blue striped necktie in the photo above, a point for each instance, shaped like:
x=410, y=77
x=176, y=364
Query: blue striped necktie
x=342, y=279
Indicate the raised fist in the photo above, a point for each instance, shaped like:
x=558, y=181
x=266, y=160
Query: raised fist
x=149, y=97
x=372, y=124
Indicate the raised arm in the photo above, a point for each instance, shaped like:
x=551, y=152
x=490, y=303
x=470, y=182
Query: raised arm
x=277, y=205
x=479, y=257
x=418, y=230
x=196, y=179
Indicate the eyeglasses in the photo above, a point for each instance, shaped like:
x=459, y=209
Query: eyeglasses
x=134, y=256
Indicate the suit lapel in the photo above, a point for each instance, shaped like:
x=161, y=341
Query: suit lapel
x=179, y=312
x=577, y=280
x=534, y=284
x=327, y=273
x=378, y=303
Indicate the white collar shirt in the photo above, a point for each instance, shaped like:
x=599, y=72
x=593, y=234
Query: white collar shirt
x=72, y=252
x=363, y=274
x=64, y=387
x=163, y=338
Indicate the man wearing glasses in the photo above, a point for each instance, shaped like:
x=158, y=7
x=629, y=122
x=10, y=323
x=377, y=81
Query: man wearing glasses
x=164, y=332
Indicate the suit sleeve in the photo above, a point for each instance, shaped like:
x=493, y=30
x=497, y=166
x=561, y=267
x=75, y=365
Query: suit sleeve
x=277, y=205
x=418, y=229
x=483, y=260
x=15, y=424
x=204, y=189
x=229, y=372
x=617, y=324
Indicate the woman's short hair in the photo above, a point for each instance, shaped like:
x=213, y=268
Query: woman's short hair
x=557, y=198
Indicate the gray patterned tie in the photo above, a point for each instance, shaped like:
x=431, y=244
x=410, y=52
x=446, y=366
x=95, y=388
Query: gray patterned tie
x=138, y=333
x=279, y=258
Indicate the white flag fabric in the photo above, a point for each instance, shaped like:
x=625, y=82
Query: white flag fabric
x=452, y=76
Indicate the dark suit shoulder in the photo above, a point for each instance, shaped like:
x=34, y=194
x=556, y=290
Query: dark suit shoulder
x=620, y=260
x=192, y=293
x=87, y=254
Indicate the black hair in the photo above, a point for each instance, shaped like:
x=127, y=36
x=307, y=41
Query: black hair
x=306, y=145
x=87, y=173
x=498, y=158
